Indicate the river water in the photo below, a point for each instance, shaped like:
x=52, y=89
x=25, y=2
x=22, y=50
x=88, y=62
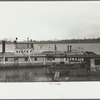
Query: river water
x=40, y=75
x=24, y=75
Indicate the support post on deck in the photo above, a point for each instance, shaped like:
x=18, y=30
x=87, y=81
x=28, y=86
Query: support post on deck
x=3, y=58
x=44, y=63
x=3, y=51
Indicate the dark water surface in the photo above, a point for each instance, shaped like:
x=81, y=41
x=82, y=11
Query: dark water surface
x=40, y=75
x=24, y=75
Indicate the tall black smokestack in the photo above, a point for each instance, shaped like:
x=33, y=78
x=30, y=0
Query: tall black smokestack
x=68, y=48
x=3, y=46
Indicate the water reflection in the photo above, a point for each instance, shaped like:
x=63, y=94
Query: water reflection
x=40, y=75
x=24, y=74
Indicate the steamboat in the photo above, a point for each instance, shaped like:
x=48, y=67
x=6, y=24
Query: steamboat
x=69, y=62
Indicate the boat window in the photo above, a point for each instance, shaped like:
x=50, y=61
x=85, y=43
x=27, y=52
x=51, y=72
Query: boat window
x=97, y=62
x=66, y=59
x=30, y=50
x=6, y=59
x=35, y=59
x=27, y=51
x=53, y=58
x=31, y=45
x=26, y=59
x=16, y=51
x=19, y=51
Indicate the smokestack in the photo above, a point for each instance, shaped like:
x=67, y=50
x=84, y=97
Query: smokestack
x=55, y=47
x=68, y=48
x=3, y=46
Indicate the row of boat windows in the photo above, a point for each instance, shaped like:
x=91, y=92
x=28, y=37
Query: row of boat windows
x=48, y=59
x=68, y=59
x=23, y=51
x=25, y=59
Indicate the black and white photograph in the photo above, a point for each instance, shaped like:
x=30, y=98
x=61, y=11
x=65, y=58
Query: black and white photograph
x=48, y=41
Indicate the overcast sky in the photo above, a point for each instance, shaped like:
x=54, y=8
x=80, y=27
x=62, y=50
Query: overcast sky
x=49, y=20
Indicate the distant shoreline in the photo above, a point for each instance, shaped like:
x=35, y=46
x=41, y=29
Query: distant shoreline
x=57, y=41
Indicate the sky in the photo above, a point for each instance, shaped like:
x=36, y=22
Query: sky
x=49, y=20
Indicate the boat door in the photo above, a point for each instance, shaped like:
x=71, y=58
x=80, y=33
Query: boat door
x=61, y=60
